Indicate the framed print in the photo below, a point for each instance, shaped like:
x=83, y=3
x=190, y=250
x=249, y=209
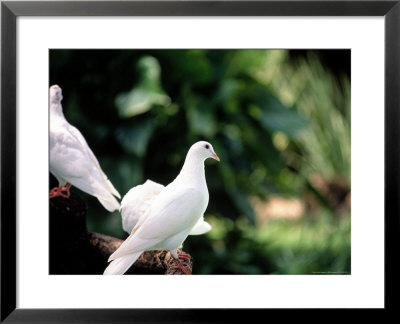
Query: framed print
x=297, y=101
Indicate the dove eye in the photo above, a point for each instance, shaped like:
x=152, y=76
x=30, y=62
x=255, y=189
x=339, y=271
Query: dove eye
x=207, y=146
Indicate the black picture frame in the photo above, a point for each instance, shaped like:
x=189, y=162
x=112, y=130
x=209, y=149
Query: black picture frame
x=10, y=10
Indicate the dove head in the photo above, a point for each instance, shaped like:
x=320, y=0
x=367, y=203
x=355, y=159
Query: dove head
x=203, y=150
x=55, y=94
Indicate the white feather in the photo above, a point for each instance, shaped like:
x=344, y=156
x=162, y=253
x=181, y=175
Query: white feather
x=71, y=159
x=138, y=201
x=201, y=227
x=121, y=265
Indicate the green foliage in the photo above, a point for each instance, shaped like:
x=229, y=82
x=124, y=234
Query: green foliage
x=325, y=101
x=146, y=94
x=272, y=121
x=312, y=247
x=135, y=137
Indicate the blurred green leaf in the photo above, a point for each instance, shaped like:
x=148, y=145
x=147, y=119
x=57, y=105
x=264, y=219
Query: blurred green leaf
x=227, y=91
x=242, y=203
x=274, y=116
x=245, y=62
x=135, y=137
x=192, y=66
x=201, y=119
x=146, y=94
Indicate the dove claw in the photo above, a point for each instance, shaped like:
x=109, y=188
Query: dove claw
x=184, y=256
x=60, y=192
x=180, y=266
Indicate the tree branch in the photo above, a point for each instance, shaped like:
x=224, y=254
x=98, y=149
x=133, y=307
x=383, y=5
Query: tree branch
x=75, y=250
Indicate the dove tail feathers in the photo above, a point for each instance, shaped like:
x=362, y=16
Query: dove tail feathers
x=200, y=228
x=113, y=190
x=121, y=265
x=109, y=203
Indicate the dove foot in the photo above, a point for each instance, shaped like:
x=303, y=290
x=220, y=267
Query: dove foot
x=60, y=192
x=184, y=256
x=180, y=266
x=176, y=256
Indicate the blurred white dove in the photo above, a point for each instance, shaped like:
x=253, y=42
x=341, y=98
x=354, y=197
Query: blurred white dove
x=139, y=199
x=72, y=161
x=171, y=216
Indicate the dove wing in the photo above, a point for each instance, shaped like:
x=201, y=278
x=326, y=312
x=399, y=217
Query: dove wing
x=137, y=202
x=168, y=220
x=73, y=161
x=79, y=138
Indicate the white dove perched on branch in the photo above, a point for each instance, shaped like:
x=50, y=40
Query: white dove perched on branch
x=171, y=216
x=72, y=161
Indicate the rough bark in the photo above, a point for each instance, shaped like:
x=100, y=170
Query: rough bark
x=75, y=250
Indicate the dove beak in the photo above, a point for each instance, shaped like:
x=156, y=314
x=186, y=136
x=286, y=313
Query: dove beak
x=215, y=156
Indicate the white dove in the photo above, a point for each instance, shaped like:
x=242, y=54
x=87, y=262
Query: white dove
x=72, y=161
x=172, y=215
x=139, y=199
